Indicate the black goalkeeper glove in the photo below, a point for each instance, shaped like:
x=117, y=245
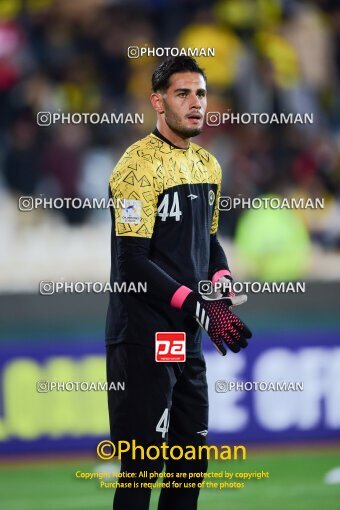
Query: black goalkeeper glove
x=221, y=324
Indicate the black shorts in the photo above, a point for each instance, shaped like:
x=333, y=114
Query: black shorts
x=160, y=402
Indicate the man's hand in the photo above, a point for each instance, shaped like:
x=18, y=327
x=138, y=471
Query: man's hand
x=221, y=324
x=223, y=288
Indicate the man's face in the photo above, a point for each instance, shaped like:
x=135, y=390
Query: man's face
x=185, y=102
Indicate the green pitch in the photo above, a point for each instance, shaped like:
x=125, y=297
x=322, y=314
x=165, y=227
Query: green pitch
x=295, y=483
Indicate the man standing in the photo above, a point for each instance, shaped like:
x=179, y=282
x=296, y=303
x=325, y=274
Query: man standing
x=164, y=234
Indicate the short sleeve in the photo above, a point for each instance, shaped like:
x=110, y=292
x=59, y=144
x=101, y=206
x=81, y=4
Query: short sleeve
x=135, y=190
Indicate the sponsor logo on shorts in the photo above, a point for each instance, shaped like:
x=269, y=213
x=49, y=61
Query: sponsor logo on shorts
x=202, y=432
x=170, y=346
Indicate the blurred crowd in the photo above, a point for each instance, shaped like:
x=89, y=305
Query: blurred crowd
x=270, y=56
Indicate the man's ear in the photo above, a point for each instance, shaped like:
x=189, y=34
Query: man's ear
x=157, y=102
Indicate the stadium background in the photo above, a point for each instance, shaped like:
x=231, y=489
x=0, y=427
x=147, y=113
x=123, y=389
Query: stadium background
x=271, y=56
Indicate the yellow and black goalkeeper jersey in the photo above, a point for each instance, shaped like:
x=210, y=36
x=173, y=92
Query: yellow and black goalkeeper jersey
x=164, y=224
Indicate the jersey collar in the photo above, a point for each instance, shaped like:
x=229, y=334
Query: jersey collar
x=155, y=132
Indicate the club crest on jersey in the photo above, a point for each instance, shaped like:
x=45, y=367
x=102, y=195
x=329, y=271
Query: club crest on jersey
x=211, y=197
x=131, y=212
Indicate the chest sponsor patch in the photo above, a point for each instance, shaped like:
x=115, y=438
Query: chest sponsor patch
x=211, y=197
x=131, y=212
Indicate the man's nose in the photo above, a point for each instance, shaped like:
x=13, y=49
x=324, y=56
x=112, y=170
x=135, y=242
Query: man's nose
x=195, y=103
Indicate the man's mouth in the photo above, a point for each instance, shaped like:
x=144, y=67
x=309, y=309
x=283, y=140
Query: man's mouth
x=195, y=116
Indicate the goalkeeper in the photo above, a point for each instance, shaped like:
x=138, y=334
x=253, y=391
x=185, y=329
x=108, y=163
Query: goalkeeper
x=164, y=233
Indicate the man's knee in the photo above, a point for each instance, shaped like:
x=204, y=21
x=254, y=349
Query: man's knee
x=199, y=465
x=145, y=469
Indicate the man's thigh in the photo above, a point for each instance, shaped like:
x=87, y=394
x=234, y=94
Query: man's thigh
x=141, y=411
x=189, y=411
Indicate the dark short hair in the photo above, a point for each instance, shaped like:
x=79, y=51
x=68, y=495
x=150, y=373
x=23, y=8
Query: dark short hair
x=170, y=66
